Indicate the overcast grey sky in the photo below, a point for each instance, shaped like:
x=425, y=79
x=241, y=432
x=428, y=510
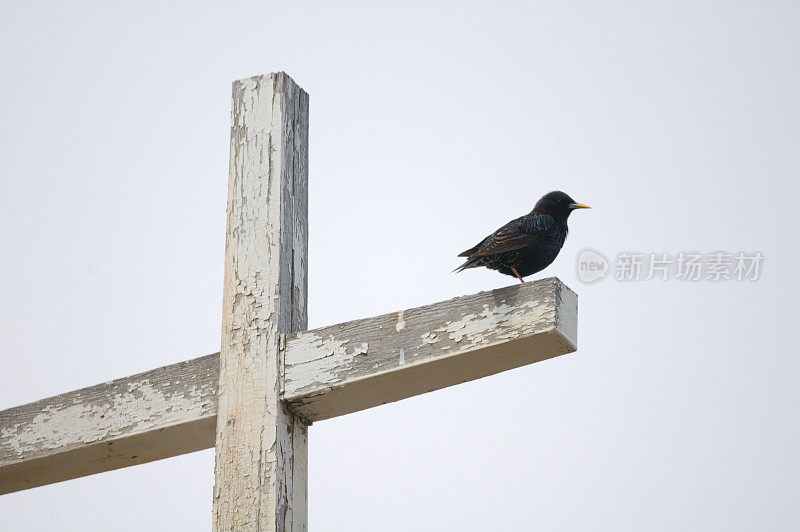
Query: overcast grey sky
x=431, y=125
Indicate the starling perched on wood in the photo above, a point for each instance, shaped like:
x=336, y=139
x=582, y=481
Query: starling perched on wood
x=528, y=244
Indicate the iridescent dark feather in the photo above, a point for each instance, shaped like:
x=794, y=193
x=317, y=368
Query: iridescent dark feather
x=528, y=244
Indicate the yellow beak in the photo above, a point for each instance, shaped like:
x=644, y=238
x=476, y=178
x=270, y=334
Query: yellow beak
x=574, y=206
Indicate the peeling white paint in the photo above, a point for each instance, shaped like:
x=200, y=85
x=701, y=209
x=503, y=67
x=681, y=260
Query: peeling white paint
x=260, y=446
x=434, y=346
x=142, y=407
x=504, y=322
x=327, y=372
x=317, y=359
x=307, y=348
x=429, y=338
x=362, y=350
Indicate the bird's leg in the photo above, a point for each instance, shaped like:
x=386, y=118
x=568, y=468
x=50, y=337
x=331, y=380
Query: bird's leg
x=513, y=269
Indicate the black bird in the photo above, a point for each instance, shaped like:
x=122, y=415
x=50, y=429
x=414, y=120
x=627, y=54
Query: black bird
x=528, y=244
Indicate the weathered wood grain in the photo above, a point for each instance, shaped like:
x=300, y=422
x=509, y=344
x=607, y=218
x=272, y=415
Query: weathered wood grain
x=145, y=417
x=260, y=473
x=352, y=366
x=328, y=371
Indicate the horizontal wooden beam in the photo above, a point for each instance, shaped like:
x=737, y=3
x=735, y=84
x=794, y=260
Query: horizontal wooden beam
x=360, y=364
x=157, y=414
x=327, y=372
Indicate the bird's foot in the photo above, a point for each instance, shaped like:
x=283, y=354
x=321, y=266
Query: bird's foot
x=517, y=274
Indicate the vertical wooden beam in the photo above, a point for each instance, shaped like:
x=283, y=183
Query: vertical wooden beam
x=261, y=448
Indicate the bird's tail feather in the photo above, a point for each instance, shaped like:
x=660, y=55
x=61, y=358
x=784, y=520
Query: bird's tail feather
x=471, y=263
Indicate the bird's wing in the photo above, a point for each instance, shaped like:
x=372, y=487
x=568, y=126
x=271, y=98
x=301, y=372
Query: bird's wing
x=516, y=234
x=474, y=248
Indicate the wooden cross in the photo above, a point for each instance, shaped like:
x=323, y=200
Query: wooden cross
x=255, y=399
